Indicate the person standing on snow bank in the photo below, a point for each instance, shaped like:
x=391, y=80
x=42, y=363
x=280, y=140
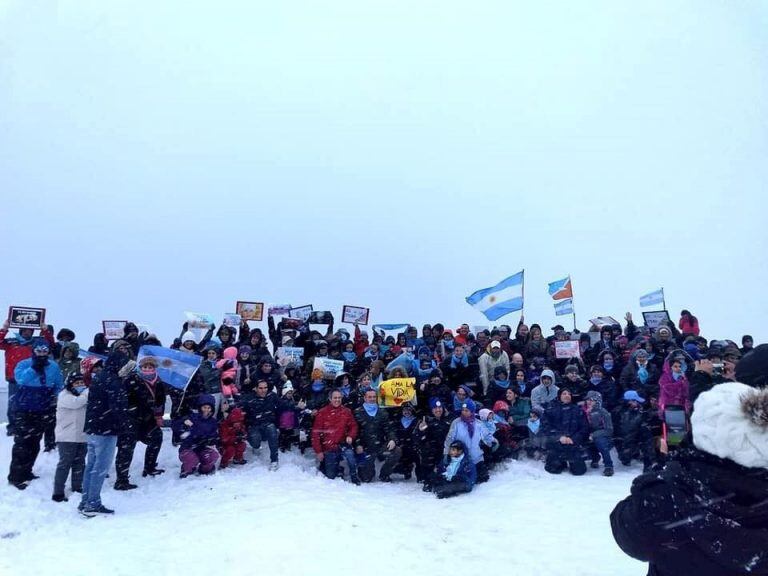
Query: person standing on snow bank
x=705, y=512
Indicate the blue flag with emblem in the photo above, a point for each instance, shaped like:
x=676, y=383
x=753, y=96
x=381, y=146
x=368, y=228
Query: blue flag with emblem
x=496, y=301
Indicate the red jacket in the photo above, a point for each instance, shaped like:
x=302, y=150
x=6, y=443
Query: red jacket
x=361, y=344
x=232, y=428
x=688, y=325
x=16, y=352
x=331, y=428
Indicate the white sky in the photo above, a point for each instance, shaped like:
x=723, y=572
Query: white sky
x=163, y=157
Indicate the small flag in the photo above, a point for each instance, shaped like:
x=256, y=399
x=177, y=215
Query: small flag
x=505, y=297
x=652, y=298
x=173, y=367
x=564, y=307
x=560, y=289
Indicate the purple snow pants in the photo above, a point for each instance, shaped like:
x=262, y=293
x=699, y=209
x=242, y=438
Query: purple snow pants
x=206, y=458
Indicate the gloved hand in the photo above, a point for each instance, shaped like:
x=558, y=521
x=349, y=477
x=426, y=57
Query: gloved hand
x=127, y=368
x=39, y=363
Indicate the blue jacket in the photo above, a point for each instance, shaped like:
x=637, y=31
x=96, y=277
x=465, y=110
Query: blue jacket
x=459, y=431
x=37, y=391
x=203, y=432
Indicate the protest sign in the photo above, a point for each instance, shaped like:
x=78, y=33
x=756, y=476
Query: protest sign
x=279, y=310
x=289, y=354
x=397, y=391
x=113, y=329
x=250, y=311
x=301, y=312
x=656, y=319
x=567, y=349
x=601, y=321
x=327, y=368
x=198, y=320
x=320, y=318
x=25, y=317
x=232, y=320
x=355, y=315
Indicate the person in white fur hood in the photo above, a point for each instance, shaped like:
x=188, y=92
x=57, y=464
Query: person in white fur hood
x=706, y=512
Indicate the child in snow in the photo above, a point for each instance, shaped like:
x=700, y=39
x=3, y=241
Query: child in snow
x=70, y=436
x=232, y=434
x=456, y=474
x=288, y=413
x=635, y=431
x=199, y=434
x=405, y=427
x=535, y=445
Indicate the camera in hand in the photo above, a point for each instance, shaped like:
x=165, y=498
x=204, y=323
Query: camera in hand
x=717, y=369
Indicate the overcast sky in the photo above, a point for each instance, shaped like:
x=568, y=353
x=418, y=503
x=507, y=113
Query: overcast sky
x=163, y=157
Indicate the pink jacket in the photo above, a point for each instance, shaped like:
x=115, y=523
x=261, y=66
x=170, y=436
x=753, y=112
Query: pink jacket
x=673, y=392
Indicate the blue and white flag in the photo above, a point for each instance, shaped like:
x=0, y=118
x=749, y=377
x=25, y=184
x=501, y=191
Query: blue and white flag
x=388, y=327
x=505, y=297
x=564, y=307
x=656, y=297
x=173, y=367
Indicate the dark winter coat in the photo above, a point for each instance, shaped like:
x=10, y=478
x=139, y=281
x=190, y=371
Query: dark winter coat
x=455, y=373
x=609, y=391
x=210, y=377
x=565, y=420
x=259, y=411
x=145, y=403
x=374, y=432
x=430, y=442
x=634, y=426
x=467, y=471
x=630, y=381
x=107, y=410
x=701, y=515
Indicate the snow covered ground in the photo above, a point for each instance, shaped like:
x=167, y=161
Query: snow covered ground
x=295, y=522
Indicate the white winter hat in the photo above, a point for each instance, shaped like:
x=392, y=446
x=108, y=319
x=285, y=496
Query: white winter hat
x=287, y=387
x=188, y=335
x=731, y=421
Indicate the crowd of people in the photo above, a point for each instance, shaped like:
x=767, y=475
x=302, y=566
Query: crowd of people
x=480, y=398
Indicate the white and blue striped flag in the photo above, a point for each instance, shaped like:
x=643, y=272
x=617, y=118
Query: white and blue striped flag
x=505, y=297
x=564, y=307
x=173, y=367
x=655, y=297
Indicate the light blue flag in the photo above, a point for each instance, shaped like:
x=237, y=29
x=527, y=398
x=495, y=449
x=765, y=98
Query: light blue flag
x=383, y=327
x=505, y=297
x=656, y=297
x=173, y=367
x=564, y=307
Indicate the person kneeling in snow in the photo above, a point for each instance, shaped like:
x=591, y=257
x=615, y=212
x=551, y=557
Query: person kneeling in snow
x=199, y=434
x=705, y=512
x=456, y=474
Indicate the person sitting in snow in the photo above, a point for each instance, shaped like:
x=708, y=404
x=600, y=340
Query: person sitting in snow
x=199, y=434
x=288, y=414
x=456, y=474
x=566, y=428
x=429, y=438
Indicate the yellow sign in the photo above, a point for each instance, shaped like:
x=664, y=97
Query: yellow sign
x=397, y=391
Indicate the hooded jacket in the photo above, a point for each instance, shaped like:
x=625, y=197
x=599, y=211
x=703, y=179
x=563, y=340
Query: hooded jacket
x=331, y=428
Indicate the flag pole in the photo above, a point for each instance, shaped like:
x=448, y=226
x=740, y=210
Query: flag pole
x=522, y=310
x=663, y=301
x=573, y=308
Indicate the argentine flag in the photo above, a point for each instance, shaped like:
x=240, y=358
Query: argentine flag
x=656, y=297
x=505, y=297
x=173, y=367
x=564, y=307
